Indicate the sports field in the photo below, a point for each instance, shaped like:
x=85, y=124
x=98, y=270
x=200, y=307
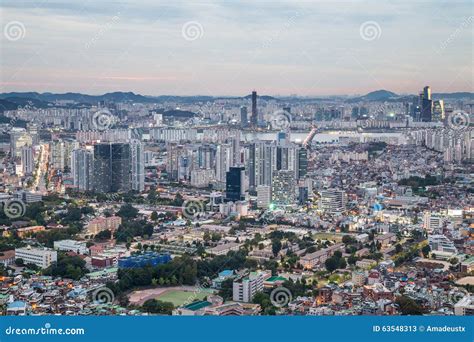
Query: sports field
x=179, y=297
x=328, y=236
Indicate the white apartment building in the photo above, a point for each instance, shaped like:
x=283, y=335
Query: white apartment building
x=465, y=307
x=432, y=221
x=263, y=196
x=245, y=288
x=78, y=247
x=441, y=246
x=40, y=257
x=333, y=201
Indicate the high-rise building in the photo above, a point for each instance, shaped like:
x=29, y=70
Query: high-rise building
x=302, y=163
x=112, y=167
x=426, y=105
x=254, y=118
x=283, y=187
x=264, y=196
x=438, y=110
x=244, y=116
x=333, y=201
x=18, y=139
x=82, y=162
x=223, y=161
x=262, y=162
x=60, y=154
x=27, y=160
x=138, y=166
x=235, y=184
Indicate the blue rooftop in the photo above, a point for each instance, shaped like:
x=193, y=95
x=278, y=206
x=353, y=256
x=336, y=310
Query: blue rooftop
x=226, y=273
x=16, y=305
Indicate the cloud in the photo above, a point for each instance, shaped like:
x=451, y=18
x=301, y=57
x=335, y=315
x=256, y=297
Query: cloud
x=244, y=45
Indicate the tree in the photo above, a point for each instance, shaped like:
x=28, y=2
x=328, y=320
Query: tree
x=408, y=306
x=158, y=307
x=71, y=267
x=19, y=262
x=276, y=246
x=426, y=250
x=332, y=263
x=352, y=259
x=103, y=235
x=398, y=248
x=127, y=211
x=154, y=216
x=347, y=239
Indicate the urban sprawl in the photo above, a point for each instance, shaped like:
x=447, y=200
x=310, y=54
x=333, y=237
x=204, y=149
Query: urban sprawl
x=123, y=204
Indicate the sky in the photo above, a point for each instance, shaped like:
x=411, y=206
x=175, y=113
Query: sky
x=307, y=48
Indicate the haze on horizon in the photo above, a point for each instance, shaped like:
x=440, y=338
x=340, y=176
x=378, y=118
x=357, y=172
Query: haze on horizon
x=229, y=48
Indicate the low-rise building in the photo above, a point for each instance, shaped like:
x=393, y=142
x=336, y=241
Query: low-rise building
x=40, y=257
x=224, y=248
x=78, y=247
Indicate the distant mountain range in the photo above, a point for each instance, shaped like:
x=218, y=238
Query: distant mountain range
x=385, y=95
x=13, y=100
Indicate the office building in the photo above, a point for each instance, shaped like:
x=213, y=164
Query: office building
x=254, y=117
x=426, y=105
x=243, y=116
x=235, y=184
x=112, y=167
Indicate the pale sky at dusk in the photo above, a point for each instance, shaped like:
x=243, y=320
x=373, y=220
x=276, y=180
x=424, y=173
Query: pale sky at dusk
x=275, y=47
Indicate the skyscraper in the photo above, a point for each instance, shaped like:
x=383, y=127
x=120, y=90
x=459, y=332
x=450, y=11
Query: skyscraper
x=27, y=160
x=438, y=110
x=426, y=105
x=112, y=167
x=254, y=118
x=262, y=162
x=235, y=184
x=223, y=161
x=82, y=162
x=138, y=166
x=243, y=116
x=302, y=163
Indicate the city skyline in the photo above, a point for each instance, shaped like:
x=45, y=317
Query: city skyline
x=208, y=48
